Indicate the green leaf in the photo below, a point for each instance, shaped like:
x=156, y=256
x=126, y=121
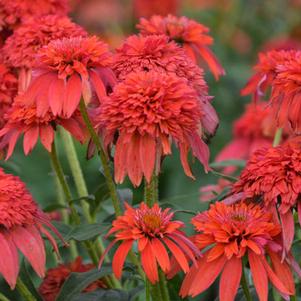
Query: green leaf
x=109, y=295
x=82, y=232
x=77, y=282
x=226, y=163
x=54, y=207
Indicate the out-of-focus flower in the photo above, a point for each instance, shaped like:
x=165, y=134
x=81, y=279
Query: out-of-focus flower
x=21, y=48
x=156, y=53
x=22, y=224
x=232, y=233
x=155, y=232
x=273, y=178
x=8, y=90
x=23, y=119
x=146, y=8
x=211, y=191
x=192, y=35
x=280, y=71
x=12, y=13
x=56, y=277
x=149, y=111
x=70, y=68
x=282, y=43
x=253, y=130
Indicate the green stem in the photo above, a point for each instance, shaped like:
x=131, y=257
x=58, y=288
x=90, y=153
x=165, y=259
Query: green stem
x=136, y=262
x=156, y=292
x=293, y=298
x=147, y=290
x=277, y=137
x=163, y=287
x=151, y=191
x=245, y=286
x=3, y=298
x=77, y=173
x=61, y=200
x=103, y=158
x=24, y=291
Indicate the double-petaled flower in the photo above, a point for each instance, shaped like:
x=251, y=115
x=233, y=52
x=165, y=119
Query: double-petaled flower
x=155, y=233
x=191, y=35
x=228, y=234
x=22, y=224
x=147, y=112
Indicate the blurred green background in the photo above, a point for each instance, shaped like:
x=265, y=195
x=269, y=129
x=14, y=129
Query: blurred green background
x=240, y=29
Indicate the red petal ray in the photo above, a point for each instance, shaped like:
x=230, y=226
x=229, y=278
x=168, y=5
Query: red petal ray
x=30, y=139
x=161, y=254
x=149, y=264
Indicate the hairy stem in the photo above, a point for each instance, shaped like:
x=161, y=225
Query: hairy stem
x=103, y=157
x=151, y=194
x=245, y=286
x=24, y=291
x=163, y=287
x=3, y=298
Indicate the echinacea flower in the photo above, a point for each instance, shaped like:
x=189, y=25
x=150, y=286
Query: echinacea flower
x=70, y=68
x=228, y=234
x=148, y=111
x=56, y=277
x=253, y=130
x=155, y=233
x=156, y=53
x=21, y=48
x=13, y=13
x=272, y=177
x=23, y=119
x=22, y=225
x=189, y=33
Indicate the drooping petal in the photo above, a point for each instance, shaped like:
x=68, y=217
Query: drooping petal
x=259, y=276
x=161, y=254
x=29, y=241
x=274, y=278
x=206, y=274
x=288, y=229
x=47, y=136
x=98, y=85
x=12, y=143
x=120, y=256
x=210, y=119
x=183, y=155
x=73, y=94
x=149, y=264
x=147, y=156
x=30, y=139
x=120, y=160
x=75, y=129
x=283, y=272
x=178, y=254
x=9, y=265
x=230, y=279
x=57, y=96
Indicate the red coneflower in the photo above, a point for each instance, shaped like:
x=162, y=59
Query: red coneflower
x=273, y=177
x=70, y=68
x=149, y=110
x=56, y=277
x=155, y=233
x=21, y=48
x=23, y=119
x=156, y=53
x=146, y=8
x=22, y=224
x=232, y=233
x=192, y=35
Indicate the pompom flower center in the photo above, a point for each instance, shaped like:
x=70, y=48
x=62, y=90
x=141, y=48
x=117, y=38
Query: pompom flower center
x=152, y=221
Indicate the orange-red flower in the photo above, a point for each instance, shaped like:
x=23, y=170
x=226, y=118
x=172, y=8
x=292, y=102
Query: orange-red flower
x=23, y=119
x=155, y=232
x=192, y=35
x=156, y=53
x=21, y=48
x=148, y=111
x=273, y=177
x=228, y=234
x=280, y=71
x=21, y=226
x=68, y=69
x=12, y=13
x=56, y=277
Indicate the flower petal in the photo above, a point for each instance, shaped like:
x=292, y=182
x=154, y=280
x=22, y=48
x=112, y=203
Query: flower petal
x=230, y=279
x=47, y=136
x=288, y=229
x=57, y=95
x=30, y=139
x=149, y=263
x=161, y=254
